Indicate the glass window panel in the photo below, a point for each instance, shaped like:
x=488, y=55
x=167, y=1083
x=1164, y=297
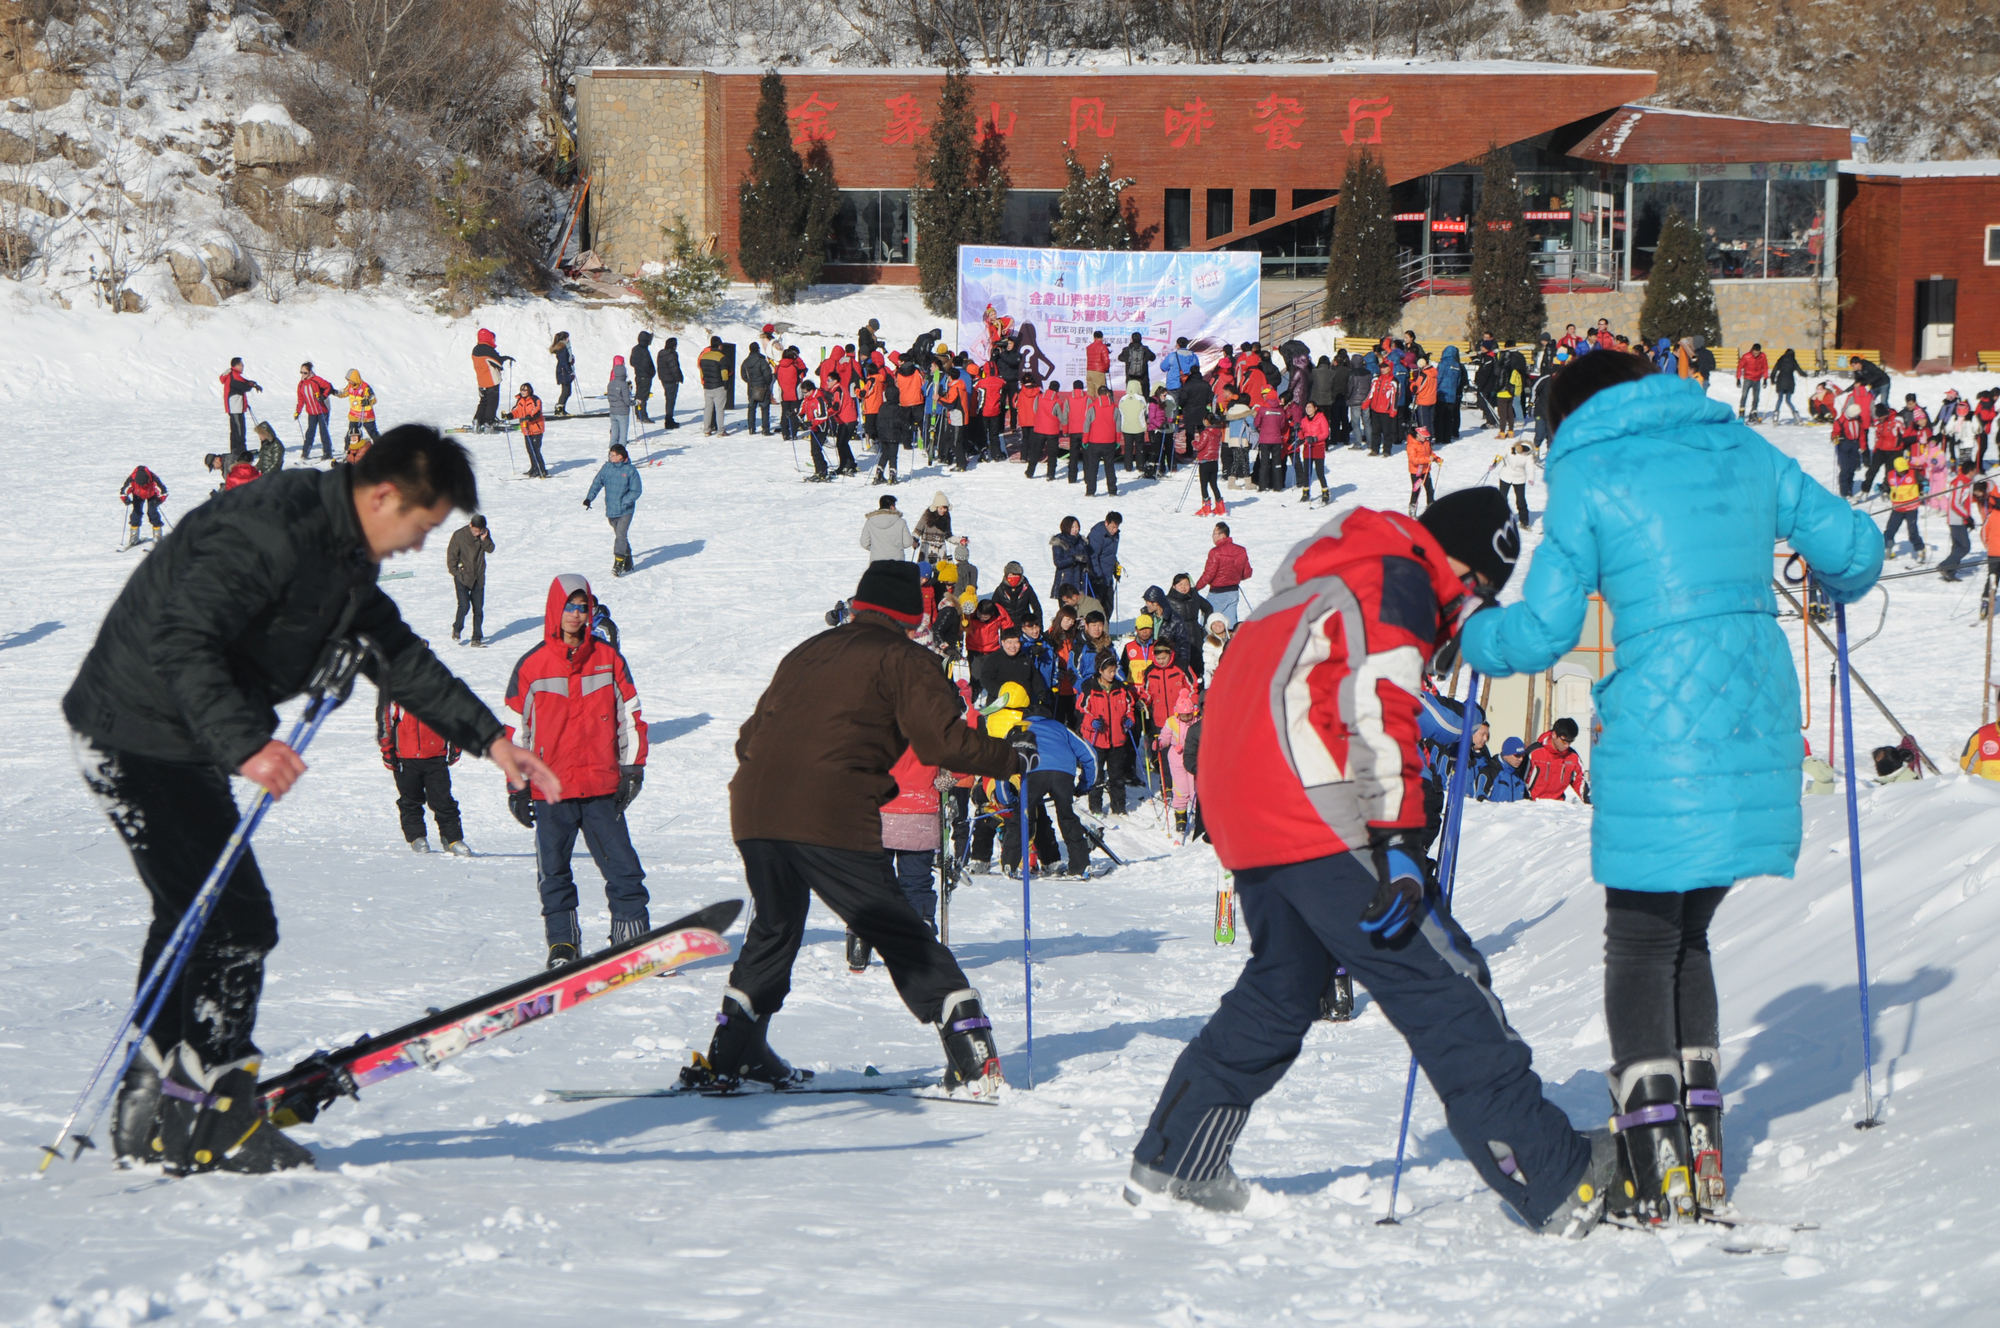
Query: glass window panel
x=1732, y=227
x=871, y=226
x=1798, y=227
x=1030, y=216
x=1454, y=198
x=1221, y=212
x=1179, y=220
x=1650, y=205
x=1263, y=205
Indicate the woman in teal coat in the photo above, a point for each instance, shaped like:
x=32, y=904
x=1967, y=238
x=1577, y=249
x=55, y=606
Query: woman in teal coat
x=1666, y=506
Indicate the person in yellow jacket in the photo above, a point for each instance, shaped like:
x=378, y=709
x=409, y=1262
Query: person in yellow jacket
x=360, y=406
x=1982, y=752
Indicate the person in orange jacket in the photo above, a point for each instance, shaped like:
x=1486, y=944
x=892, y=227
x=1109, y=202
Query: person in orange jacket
x=1422, y=462
x=991, y=394
x=874, y=387
x=955, y=407
x=1027, y=398
x=487, y=362
x=1100, y=442
x=528, y=410
x=421, y=762
x=1424, y=393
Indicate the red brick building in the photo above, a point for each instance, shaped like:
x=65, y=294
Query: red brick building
x=1920, y=258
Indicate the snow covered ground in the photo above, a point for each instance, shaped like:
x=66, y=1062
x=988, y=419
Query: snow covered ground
x=474, y=1195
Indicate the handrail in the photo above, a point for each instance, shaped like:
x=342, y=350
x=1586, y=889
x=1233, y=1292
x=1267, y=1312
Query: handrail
x=1278, y=324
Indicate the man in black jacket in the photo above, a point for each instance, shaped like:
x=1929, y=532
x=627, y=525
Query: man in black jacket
x=667, y=365
x=1135, y=357
x=641, y=360
x=224, y=621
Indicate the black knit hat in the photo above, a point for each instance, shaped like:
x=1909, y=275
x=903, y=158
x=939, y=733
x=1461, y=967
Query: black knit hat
x=1476, y=527
x=891, y=588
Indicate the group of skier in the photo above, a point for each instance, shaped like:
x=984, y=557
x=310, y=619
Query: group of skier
x=1925, y=460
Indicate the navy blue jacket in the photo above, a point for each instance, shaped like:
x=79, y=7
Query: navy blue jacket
x=1103, y=556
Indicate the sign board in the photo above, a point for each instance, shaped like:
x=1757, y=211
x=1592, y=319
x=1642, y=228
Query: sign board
x=1051, y=301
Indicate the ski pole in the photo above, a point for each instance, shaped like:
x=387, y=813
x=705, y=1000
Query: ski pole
x=1867, y=1121
x=1454, y=815
x=1193, y=470
x=1027, y=930
x=332, y=682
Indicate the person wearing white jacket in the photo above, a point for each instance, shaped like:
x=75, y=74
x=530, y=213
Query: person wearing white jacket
x=885, y=534
x=1212, y=644
x=1961, y=432
x=1517, y=466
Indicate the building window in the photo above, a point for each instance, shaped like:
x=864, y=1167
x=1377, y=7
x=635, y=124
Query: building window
x=1263, y=205
x=1993, y=246
x=1221, y=212
x=1030, y=217
x=1179, y=219
x=1749, y=227
x=871, y=227
x=1797, y=237
x=1650, y=205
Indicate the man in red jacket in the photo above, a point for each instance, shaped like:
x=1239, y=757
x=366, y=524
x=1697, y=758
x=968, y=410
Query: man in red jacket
x=1227, y=568
x=1751, y=371
x=421, y=761
x=1096, y=363
x=312, y=403
x=1311, y=787
x=1554, y=766
x=991, y=393
x=790, y=371
x=236, y=390
x=580, y=713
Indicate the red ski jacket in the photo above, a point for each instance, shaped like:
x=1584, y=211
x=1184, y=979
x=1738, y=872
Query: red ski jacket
x=1314, y=430
x=1228, y=566
x=1097, y=356
x=1112, y=710
x=1550, y=771
x=143, y=484
x=1753, y=367
x=790, y=369
x=991, y=393
x=239, y=475
x=404, y=737
x=1164, y=688
x=1100, y=421
x=579, y=710
x=1311, y=737
x=916, y=791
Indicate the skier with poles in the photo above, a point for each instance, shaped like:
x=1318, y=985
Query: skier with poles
x=228, y=619
x=814, y=762
x=1311, y=795
x=142, y=489
x=1637, y=457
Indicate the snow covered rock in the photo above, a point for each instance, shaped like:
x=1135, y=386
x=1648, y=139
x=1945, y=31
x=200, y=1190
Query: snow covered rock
x=14, y=149
x=29, y=196
x=191, y=278
x=266, y=135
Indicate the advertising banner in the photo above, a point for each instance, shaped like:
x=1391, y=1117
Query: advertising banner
x=1051, y=301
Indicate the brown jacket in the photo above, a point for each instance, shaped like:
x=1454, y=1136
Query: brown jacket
x=814, y=756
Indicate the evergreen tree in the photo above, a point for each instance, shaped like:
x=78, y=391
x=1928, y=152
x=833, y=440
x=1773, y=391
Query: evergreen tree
x=1506, y=289
x=466, y=221
x=1089, y=214
x=960, y=195
x=695, y=280
x=786, y=204
x=1364, y=292
x=1680, y=300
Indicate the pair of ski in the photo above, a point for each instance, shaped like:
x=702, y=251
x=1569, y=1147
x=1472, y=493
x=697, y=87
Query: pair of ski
x=1740, y=1237
x=920, y=1089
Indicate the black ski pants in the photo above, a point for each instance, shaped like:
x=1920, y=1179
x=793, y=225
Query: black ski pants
x=862, y=891
x=1304, y=920
x=1105, y=455
x=489, y=405
x=642, y=387
x=1115, y=764
x=669, y=393
x=537, y=468
x=472, y=599
x=427, y=782
x=1058, y=790
x=1659, y=987
x=175, y=819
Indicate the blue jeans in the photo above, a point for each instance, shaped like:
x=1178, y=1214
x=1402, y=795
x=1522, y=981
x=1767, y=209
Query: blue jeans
x=316, y=423
x=1224, y=602
x=604, y=834
x=621, y=420
x=1303, y=920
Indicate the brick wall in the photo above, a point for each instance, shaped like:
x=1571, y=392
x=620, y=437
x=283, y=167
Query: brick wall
x=1897, y=232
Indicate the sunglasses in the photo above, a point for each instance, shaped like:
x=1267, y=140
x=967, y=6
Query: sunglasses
x=576, y=608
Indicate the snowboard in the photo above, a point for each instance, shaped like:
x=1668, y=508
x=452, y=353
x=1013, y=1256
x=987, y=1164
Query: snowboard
x=300, y=1093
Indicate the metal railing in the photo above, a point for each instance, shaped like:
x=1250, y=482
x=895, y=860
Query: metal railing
x=1562, y=270
x=1288, y=320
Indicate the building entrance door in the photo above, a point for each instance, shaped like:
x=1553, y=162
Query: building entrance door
x=1937, y=312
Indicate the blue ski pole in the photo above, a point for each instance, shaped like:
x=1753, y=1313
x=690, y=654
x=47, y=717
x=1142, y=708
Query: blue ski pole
x=1027, y=930
x=332, y=682
x=1867, y=1121
x=1454, y=813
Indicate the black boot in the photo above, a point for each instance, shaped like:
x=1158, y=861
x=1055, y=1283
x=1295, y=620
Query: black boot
x=1585, y=1205
x=1336, y=1003
x=739, y=1051
x=208, y=1120
x=565, y=937
x=1701, y=1078
x=858, y=952
x=972, y=1061
x=1653, y=1135
x=135, y=1117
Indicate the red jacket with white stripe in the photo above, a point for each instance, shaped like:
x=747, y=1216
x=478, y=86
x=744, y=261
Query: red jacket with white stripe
x=1312, y=738
x=579, y=709
x=404, y=737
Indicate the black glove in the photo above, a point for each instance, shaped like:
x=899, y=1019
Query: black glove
x=1023, y=743
x=521, y=802
x=1398, y=907
x=586, y=504
x=1445, y=656
x=631, y=778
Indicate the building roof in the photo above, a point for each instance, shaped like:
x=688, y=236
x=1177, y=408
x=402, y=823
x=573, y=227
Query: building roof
x=1426, y=68
x=1659, y=135
x=1915, y=170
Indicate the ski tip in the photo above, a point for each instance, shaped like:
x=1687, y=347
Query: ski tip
x=717, y=918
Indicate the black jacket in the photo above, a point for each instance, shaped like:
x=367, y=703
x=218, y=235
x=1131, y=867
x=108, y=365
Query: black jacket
x=641, y=359
x=1785, y=373
x=996, y=668
x=1019, y=601
x=228, y=618
x=1325, y=386
x=667, y=363
x=1135, y=357
x=756, y=371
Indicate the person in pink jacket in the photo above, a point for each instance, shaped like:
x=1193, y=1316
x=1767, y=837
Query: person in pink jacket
x=1315, y=429
x=1173, y=750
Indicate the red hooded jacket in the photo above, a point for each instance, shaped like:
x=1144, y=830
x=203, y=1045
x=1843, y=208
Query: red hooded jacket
x=1312, y=735
x=404, y=737
x=579, y=710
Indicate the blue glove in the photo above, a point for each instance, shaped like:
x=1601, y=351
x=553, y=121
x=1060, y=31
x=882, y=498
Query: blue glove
x=1398, y=907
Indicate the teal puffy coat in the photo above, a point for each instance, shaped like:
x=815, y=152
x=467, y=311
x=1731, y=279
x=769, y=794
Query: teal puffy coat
x=1661, y=502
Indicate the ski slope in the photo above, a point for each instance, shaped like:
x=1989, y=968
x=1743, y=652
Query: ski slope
x=472, y=1195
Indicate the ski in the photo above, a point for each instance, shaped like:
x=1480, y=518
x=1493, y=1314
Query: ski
x=300, y=1093
x=916, y=1088
x=1225, y=910
x=1095, y=833
x=1736, y=1239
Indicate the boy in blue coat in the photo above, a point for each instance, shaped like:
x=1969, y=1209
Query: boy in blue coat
x=1500, y=780
x=1064, y=764
x=618, y=480
x=1696, y=774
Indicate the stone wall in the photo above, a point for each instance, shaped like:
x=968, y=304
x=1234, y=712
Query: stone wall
x=641, y=135
x=1770, y=312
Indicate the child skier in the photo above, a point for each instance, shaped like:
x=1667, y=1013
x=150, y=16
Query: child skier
x=360, y=406
x=528, y=410
x=421, y=761
x=1422, y=462
x=143, y=489
x=1104, y=715
x=1906, y=494
x=1172, y=743
x=1315, y=428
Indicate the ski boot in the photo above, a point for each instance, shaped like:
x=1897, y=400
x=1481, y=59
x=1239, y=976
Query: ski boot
x=1336, y=1003
x=1325, y=496
x=892, y=474
x=565, y=937
x=1180, y=824
x=738, y=1051
x=630, y=929
x=135, y=1116
x=1585, y=1206
x=131, y=538
x=877, y=478
x=421, y=844
x=1653, y=1136
x=157, y=532
x=1224, y=1192
x=1306, y=494
x=972, y=1062
x=858, y=952
x=457, y=848
x=208, y=1120
x=1701, y=1098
